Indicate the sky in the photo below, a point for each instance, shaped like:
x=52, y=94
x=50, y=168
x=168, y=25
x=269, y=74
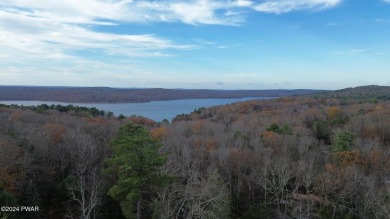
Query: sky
x=208, y=44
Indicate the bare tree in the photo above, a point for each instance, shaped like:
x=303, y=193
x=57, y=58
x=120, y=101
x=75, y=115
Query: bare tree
x=200, y=197
x=84, y=183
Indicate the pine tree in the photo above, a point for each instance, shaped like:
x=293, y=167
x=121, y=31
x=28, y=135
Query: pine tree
x=136, y=164
x=343, y=141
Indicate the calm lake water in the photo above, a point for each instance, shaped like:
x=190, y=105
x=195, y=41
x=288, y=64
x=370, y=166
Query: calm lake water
x=156, y=110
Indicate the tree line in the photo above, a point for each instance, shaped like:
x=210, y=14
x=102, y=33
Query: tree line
x=129, y=95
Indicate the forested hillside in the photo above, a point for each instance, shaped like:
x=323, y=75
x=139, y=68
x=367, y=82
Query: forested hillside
x=313, y=156
x=135, y=95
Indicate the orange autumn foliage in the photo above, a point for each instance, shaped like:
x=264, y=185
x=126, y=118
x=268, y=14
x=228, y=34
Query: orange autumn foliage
x=333, y=112
x=377, y=160
x=270, y=138
x=11, y=170
x=158, y=133
x=56, y=131
x=347, y=158
x=98, y=121
x=197, y=127
x=211, y=145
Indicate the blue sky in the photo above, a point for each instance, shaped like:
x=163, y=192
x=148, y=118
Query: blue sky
x=220, y=44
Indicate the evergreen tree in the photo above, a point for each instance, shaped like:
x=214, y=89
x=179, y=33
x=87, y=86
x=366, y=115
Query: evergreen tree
x=7, y=199
x=343, y=141
x=136, y=164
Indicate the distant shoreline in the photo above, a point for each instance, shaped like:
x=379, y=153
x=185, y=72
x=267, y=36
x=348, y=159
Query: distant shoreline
x=131, y=95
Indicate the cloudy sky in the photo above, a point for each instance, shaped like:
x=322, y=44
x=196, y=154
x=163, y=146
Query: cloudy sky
x=217, y=44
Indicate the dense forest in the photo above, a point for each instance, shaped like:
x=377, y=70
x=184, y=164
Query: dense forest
x=323, y=155
x=122, y=95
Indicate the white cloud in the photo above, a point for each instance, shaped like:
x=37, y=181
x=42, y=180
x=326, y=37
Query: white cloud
x=43, y=37
x=108, y=12
x=53, y=29
x=241, y=75
x=244, y=3
x=54, y=42
x=111, y=12
x=379, y=20
x=71, y=11
x=347, y=52
x=284, y=6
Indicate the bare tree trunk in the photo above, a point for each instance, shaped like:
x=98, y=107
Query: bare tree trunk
x=139, y=209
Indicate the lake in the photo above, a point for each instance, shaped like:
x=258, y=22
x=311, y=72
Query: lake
x=156, y=110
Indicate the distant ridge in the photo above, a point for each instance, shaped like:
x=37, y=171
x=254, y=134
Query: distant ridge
x=374, y=92
x=130, y=95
